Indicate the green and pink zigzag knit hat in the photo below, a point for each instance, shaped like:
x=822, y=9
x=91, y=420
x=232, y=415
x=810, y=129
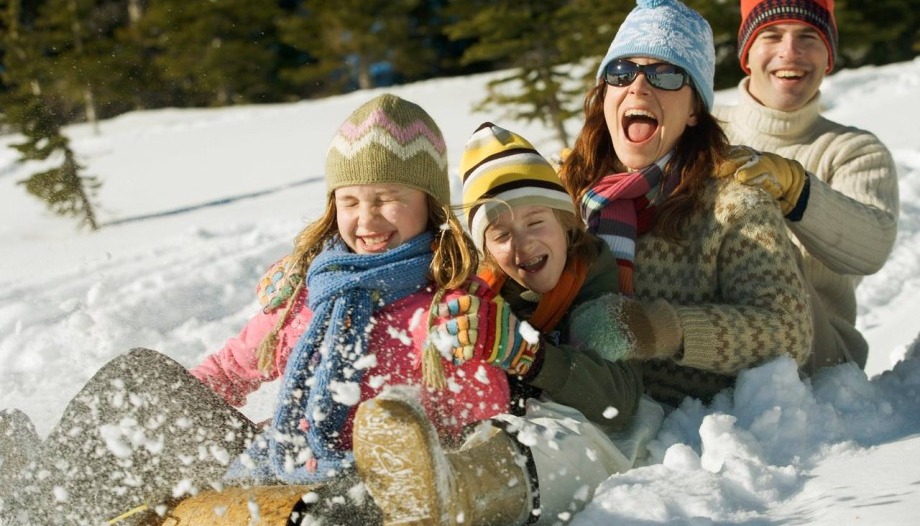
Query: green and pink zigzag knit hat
x=389, y=140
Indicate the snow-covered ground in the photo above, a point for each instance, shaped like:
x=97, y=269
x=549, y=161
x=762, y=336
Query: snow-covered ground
x=195, y=204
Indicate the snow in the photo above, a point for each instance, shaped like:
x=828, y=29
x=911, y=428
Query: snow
x=197, y=203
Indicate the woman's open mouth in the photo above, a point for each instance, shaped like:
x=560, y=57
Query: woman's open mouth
x=639, y=125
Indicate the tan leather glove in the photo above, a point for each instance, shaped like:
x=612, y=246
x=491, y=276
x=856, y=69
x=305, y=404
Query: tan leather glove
x=558, y=159
x=782, y=178
x=738, y=156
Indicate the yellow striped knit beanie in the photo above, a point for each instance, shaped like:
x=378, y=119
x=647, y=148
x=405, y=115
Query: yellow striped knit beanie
x=501, y=169
x=389, y=140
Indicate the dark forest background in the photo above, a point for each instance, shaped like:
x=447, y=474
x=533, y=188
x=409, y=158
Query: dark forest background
x=67, y=61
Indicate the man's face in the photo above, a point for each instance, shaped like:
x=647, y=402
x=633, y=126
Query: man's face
x=787, y=62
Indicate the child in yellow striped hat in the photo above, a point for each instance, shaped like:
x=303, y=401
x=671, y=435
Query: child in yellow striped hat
x=569, y=400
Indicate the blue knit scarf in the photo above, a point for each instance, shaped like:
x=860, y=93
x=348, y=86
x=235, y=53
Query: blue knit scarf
x=344, y=291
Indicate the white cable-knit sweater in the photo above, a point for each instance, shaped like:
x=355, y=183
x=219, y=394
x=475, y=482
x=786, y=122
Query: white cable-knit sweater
x=850, y=223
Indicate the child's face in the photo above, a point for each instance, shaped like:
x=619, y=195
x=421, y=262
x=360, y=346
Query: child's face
x=373, y=218
x=530, y=246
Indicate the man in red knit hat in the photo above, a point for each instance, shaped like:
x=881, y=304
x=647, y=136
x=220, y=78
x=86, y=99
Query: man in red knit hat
x=840, y=194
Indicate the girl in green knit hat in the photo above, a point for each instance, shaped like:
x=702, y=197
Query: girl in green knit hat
x=345, y=314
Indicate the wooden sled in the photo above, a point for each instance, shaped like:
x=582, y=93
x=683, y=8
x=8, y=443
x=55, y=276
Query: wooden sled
x=262, y=506
x=259, y=505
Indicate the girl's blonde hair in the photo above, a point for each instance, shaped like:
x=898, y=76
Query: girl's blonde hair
x=454, y=260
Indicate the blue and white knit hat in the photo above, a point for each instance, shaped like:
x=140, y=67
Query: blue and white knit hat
x=670, y=31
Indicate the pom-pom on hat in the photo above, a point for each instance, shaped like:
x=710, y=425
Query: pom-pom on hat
x=758, y=14
x=501, y=169
x=670, y=31
x=389, y=140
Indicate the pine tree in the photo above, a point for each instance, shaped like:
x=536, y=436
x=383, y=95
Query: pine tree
x=213, y=53
x=62, y=188
x=38, y=115
x=539, y=41
x=877, y=31
x=347, y=40
x=76, y=50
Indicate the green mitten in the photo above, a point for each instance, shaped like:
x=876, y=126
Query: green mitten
x=598, y=325
x=619, y=328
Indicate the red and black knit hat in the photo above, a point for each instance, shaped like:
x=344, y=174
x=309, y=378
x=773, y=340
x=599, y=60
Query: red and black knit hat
x=758, y=14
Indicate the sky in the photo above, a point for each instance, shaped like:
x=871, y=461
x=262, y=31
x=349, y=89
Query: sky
x=196, y=203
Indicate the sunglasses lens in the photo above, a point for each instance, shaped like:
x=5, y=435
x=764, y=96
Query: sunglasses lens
x=666, y=76
x=620, y=73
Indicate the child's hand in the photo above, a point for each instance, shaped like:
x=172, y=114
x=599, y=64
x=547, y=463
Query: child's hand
x=457, y=319
x=481, y=325
x=458, y=327
x=506, y=342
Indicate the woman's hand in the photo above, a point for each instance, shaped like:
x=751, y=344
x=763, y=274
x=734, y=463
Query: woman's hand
x=619, y=328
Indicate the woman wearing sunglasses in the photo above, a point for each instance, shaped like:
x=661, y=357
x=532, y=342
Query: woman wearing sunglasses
x=709, y=277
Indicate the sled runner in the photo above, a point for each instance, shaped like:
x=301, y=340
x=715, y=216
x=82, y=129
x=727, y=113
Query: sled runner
x=285, y=505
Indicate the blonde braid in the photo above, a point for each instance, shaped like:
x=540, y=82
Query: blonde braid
x=269, y=345
x=307, y=245
x=454, y=261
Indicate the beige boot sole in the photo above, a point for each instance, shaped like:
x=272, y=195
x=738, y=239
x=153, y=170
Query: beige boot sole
x=398, y=457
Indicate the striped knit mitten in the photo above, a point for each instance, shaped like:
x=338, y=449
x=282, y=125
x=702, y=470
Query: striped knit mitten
x=456, y=328
x=483, y=327
x=506, y=342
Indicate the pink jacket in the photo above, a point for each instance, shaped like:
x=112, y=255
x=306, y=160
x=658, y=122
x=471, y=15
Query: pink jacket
x=475, y=391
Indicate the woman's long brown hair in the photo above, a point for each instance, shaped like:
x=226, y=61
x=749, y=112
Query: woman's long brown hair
x=699, y=151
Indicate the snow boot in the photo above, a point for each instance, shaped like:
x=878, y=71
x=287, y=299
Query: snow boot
x=141, y=434
x=415, y=482
x=341, y=502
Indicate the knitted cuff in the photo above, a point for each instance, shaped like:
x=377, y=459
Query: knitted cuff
x=669, y=335
x=656, y=329
x=538, y=360
x=798, y=210
x=524, y=358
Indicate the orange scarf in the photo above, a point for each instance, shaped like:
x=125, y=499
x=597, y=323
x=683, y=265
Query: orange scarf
x=554, y=304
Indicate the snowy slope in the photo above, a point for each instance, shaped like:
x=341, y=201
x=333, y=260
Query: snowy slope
x=197, y=202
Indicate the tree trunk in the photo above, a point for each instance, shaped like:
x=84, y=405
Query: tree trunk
x=553, y=105
x=70, y=167
x=90, y=100
x=364, y=75
x=135, y=11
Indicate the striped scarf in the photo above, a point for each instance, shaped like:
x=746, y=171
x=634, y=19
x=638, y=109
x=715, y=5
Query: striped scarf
x=620, y=207
x=321, y=376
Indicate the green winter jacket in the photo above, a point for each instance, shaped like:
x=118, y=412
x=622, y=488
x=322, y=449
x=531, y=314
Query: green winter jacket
x=578, y=377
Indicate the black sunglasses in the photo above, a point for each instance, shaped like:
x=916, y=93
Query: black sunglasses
x=622, y=73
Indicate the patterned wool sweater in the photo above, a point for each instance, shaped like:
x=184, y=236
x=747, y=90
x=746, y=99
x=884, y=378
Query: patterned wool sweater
x=850, y=222
x=733, y=279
